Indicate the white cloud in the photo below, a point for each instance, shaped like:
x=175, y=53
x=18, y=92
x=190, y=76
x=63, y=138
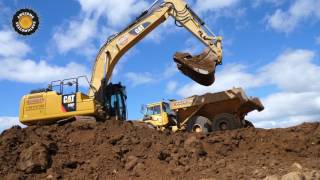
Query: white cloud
x=170, y=71
x=8, y=122
x=15, y=67
x=81, y=34
x=11, y=46
x=214, y=5
x=29, y=71
x=77, y=35
x=298, y=12
x=293, y=72
x=282, y=21
x=257, y=3
x=137, y=79
x=212, y=10
x=287, y=109
x=171, y=86
x=118, y=13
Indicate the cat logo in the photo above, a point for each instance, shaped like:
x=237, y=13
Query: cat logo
x=68, y=98
x=25, y=21
x=69, y=103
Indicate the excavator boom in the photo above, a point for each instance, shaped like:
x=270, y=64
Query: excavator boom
x=199, y=68
x=106, y=100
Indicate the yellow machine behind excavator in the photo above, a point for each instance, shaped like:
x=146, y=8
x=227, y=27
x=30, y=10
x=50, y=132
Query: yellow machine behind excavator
x=106, y=100
x=225, y=110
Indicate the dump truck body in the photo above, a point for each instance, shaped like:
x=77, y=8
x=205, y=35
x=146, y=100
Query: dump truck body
x=226, y=106
x=233, y=101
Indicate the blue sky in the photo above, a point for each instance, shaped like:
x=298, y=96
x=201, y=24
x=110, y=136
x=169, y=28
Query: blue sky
x=271, y=49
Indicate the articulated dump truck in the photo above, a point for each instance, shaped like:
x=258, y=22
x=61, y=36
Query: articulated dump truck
x=210, y=112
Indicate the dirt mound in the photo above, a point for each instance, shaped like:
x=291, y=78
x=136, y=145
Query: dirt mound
x=122, y=150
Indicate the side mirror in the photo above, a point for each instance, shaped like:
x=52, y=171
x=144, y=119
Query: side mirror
x=143, y=109
x=50, y=87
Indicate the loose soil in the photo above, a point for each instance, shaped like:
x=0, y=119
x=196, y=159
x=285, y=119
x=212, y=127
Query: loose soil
x=123, y=150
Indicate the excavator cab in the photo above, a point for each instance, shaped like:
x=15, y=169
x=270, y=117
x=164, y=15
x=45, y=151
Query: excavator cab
x=114, y=101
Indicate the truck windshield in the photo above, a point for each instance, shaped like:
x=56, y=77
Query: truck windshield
x=153, y=110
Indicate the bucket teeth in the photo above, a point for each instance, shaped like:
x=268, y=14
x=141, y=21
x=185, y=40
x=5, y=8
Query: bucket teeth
x=200, y=68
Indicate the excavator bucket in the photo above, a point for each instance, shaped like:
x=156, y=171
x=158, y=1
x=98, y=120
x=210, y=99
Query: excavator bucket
x=200, y=68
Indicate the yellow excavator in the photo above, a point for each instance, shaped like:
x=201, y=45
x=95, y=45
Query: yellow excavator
x=62, y=100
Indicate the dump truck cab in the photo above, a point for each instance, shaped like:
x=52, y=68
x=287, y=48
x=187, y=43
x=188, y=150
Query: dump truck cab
x=205, y=113
x=158, y=114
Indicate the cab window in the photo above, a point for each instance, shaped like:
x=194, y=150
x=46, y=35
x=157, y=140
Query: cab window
x=153, y=110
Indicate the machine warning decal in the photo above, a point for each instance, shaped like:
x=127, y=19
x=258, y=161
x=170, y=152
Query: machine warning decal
x=137, y=30
x=69, y=103
x=35, y=100
x=25, y=21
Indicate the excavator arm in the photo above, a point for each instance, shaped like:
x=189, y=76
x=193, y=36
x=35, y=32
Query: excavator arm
x=200, y=68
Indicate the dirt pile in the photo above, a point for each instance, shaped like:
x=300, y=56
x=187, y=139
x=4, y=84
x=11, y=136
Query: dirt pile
x=122, y=150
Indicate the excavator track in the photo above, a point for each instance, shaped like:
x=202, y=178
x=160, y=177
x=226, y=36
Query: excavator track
x=100, y=116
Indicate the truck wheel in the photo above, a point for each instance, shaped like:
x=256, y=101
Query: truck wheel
x=224, y=122
x=248, y=124
x=199, y=124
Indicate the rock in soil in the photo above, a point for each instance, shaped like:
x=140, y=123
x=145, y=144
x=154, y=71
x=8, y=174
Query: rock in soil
x=34, y=159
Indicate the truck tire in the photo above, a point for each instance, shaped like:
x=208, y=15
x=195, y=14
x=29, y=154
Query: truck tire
x=248, y=124
x=225, y=121
x=199, y=124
